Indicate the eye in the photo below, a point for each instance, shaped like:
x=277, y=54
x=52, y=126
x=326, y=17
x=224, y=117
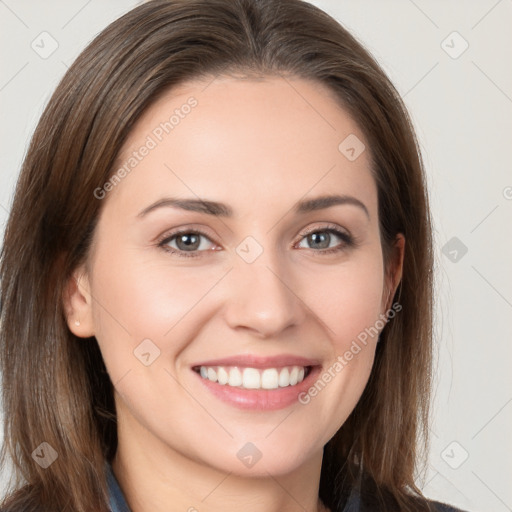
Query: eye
x=324, y=238
x=185, y=241
x=191, y=243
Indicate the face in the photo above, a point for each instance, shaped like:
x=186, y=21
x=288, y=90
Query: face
x=230, y=328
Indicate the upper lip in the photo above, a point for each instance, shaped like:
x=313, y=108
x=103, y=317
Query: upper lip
x=253, y=361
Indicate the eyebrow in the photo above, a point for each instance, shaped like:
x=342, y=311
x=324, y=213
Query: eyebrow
x=223, y=210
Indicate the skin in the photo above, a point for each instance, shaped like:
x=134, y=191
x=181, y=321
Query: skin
x=259, y=146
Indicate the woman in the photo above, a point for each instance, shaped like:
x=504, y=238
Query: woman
x=173, y=338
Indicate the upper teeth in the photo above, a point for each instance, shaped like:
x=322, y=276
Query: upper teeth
x=253, y=378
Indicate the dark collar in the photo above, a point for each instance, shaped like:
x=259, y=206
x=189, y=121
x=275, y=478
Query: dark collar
x=116, y=496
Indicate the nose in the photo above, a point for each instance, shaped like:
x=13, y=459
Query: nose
x=263, y=297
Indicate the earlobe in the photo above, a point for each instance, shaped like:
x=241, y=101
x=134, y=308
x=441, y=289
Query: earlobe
x=77, y=302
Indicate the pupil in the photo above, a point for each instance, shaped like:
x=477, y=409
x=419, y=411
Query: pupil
x=321, y=238
x=188, y=241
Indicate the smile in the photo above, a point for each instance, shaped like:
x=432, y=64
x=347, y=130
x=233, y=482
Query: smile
x=254, y=378
x=257, y=383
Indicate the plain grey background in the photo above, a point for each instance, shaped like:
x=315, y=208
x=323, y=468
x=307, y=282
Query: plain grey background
x=450, y=60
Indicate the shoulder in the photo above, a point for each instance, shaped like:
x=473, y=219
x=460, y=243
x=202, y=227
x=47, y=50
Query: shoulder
x=355, y=504
x=437, y=506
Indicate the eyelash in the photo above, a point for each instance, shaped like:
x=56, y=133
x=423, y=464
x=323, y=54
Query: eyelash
x=348, y=241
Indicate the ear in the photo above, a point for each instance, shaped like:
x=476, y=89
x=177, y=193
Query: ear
x=77, y=301
x=394, y=271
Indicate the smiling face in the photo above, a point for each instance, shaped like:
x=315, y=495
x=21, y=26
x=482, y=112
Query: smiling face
x=210, y=336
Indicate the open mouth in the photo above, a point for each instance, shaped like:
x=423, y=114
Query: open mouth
x=254, y=378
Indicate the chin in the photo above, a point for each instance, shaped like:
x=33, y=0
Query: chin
x=259, y=458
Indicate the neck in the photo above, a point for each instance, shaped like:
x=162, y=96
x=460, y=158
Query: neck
x=153, y=478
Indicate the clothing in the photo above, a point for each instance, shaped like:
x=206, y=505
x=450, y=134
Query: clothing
x=118, y=502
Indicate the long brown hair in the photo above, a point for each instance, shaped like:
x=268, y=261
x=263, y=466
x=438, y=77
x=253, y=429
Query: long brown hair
x=55, y=387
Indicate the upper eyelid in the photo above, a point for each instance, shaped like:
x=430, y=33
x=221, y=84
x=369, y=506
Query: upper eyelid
x=325, y=227
x=201, y=232
x=180, y=231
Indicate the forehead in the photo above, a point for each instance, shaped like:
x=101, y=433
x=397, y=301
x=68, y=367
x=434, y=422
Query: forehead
x=245, y=142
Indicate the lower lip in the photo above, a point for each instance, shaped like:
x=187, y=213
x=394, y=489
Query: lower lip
x=260, y=399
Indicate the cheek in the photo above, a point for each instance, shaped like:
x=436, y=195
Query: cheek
x=136, y=299
x=348, y=298
x=348, y=303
